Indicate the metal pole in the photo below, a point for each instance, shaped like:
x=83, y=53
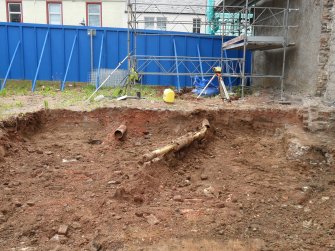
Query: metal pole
x=10, y=65
x=285, y=49
x=40, y=61
x=209, y=82
x=252, y=53
x=135, y=35
x=176, y=62
x=245, y=45
x=222, y=32
x=200, y=62
x=69, y=62
x=91, y=40
x=117, y=67
x=97, y=82
x=224, y=52
x=129, y=10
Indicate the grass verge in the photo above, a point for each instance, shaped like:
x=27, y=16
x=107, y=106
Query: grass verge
x=17, y=96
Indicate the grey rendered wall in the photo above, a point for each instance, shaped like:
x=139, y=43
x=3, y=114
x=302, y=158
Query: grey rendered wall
x=302, y=60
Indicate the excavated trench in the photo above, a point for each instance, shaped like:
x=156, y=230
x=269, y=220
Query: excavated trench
x=256, y=182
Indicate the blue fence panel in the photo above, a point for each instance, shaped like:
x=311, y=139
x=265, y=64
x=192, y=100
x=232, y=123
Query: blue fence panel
x=44, y=53
x=29, y=47
x=165, y=48
x=4, y=62
x=58, y=45
x=150, y=44
x=112, y=45
x=57, y=57
x=13, y=39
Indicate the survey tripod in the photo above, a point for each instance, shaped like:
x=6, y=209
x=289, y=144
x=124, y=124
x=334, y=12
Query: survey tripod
x=223, y=91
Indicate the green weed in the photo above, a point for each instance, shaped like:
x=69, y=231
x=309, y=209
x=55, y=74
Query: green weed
x=46, y=105
x=18, y=104
x=3, y=93
x=238, y=90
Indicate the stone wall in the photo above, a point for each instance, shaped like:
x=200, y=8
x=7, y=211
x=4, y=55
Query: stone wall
x=326, y=78
x=316, y=118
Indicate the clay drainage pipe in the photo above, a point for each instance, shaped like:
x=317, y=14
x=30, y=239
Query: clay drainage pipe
x=178, y=143
x=120, y=131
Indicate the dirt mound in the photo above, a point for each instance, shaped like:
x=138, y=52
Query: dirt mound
x=248, y=186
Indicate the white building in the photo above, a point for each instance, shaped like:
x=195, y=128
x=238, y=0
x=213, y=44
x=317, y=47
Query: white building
x=106, y=13
x=67, y=12
x=171, y=15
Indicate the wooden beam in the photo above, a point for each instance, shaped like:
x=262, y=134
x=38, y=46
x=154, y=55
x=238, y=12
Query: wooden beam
x=233, y=41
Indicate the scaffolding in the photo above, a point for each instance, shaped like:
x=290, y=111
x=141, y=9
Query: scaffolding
x=254, y=27
x=175, y=20
x=264, y=28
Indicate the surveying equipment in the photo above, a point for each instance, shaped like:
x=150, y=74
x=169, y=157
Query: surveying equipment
x=223, y=91
x=217, y=69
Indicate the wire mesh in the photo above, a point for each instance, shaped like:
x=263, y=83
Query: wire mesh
x=115, y=80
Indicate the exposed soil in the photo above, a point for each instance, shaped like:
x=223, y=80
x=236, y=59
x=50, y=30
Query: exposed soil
x=257, y=182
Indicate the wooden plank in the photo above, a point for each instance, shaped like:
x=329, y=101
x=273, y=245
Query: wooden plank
x=233, y=41
x=258, y=46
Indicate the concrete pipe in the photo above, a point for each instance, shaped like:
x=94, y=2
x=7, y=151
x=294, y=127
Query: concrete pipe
x=120, y=131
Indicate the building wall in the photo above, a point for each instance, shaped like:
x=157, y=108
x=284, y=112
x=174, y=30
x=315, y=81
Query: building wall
x=74, y=11
x=3, y=17
x=34, y=12
x=310, y=68
x=180, y=22
x=114, y=14
x=302, y=60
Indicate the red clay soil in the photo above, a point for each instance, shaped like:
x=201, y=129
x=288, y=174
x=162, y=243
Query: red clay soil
x=236, y=190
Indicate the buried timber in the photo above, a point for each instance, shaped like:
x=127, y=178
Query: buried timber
x=254, y=181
